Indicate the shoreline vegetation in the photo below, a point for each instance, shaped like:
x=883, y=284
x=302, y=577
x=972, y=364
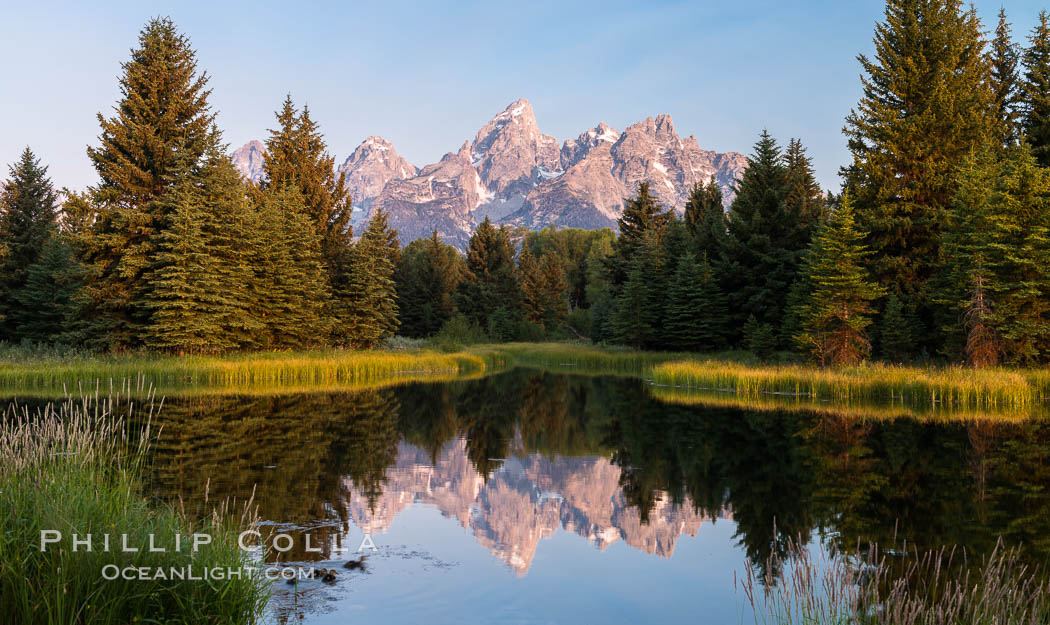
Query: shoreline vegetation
x=72, y=467
x=866, y=391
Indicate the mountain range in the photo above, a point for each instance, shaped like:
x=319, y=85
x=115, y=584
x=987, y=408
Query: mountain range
x=514, y=174
x=529, y=498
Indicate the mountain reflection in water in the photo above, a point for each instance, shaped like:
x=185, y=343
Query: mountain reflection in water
x=523, y=457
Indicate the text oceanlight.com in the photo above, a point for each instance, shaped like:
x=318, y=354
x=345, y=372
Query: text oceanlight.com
x=112, y=572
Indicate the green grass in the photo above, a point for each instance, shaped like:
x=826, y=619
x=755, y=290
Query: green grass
x=73, y=469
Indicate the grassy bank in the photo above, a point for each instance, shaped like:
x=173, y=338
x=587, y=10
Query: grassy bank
x=884, y=389
x=72, y=469
x=958, y=387
x=257, y=372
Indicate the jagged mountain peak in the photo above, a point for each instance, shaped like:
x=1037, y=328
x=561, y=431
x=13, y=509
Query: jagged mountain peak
x=248, y=159
x=369, y=167
x=513, y=173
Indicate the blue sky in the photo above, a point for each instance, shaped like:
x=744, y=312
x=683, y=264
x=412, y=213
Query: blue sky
x=426, y=76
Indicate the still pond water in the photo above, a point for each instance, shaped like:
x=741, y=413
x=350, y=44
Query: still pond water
x=535, y=497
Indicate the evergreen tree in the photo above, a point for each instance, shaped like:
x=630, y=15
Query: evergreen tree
x=895, y=331
x=289, y=283
x=642, y=218
x=553, y=294
x=636, y=320
x=1036, y=90
x=490, y=281
x=227, y=225
x=695, y=316
x=803, y=198
x=297, y=156
x=185, y=297
x=370, y=299
x=766, y=238
x=599, y=290
x=427, y=275
x=1004, y=58
x=47, y=301
x=633, y=320
x=163, y=116
x=926, y=103
x=529, y=279
x=839, y=309
x=998, y=257
x=28, y=206
x=759, y=338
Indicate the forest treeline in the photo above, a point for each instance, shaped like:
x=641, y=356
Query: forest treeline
x=937, y=246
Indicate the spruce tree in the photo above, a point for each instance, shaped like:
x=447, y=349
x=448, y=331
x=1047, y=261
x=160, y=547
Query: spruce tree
x=896, y=335
x=185, y=294
x=28, y=205
x=803, y=197
x=600, y=290
x=228, y=227
x=997, y=273
x=639, y=304
x=642, y=218
x=289, y=283
x=297, y=156
x=1036, y=90
x=529, y=279
x=490, y=281
x=427, y=275
x=766, y=238
x=927, y=102
x=553, y=295
x=835, y=318
x=371, y=296
x=47, y=300
x=1004, y=58
x=163, y=116
x=695, y=314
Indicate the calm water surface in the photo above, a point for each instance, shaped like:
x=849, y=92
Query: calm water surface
x=531, y=497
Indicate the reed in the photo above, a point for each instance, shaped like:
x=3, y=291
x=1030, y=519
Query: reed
x=245, y=372
x=73, y=468
x=927, y=588
x=988, y=389
x=855, y=410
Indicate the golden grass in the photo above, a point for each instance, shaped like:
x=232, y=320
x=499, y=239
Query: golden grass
x=857, y=410
x=248, y=373
x=986, y=389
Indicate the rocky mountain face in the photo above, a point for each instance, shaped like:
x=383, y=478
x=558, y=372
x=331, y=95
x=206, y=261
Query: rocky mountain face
x=373, y=164
x=513, y=173
x=527, y=500
x=248, y=159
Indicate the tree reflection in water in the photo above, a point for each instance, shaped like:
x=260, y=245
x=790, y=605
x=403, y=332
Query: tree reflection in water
x=319, y=461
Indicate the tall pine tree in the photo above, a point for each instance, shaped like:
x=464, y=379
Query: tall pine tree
x=163, y=116
x=490, y=281
x=695, y=315
x=1004, y=58
x=927, y=102
x=1036, y=90
x=766, y=239
x=839, y=310
x=28, y=205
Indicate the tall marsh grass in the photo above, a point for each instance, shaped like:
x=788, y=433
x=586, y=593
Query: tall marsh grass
x=72, y=468
x=925, y=588
x=989, y=389
x=272, y=370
